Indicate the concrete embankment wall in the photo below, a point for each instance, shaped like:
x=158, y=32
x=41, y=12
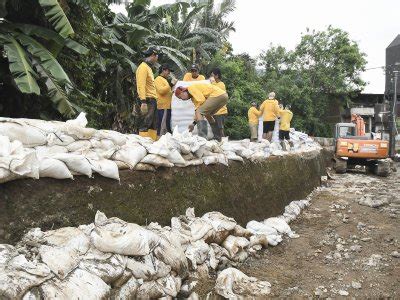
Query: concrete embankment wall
x=244, y=191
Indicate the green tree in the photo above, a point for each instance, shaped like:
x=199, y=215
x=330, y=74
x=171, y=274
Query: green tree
x=324, y=69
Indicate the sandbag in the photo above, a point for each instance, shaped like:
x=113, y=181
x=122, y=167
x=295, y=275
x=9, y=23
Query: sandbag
x=29, y=136
x=144, y=167
x=149, y=268
x=156, y=160
x=116, y=236
x=79, y=285
x=130, y=154
x=48, y=151
x=105, y=167
x=76, y=163
x=23, y=164
x=79, y=146
x=235, y=244
x=128, y=290
x=80, y=120
x=117, y=138
x=232, y=283
x=54, y=168
x=59, y=139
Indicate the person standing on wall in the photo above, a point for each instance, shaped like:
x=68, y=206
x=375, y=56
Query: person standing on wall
x=253, y=115
x=147, y=95
x=270, y=111
x=207, y=99
x=220, y=116
x=194, y=74
x=284, y=127
x=164, y=97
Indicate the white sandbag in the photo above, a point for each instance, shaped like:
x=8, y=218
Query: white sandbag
x=176, y=158
x=157, y=148
x=116, y=236
x=258, y=239
x=149, y=268
x=54, y=168
x=232, y=156
x=222, y=226
x=104, y=144
x=105, y=167
x=118, y=138
x=59, y=139
x=76, y=163
x=79, y=133
x=235, y=244
x=29, y=136
x=79, y=285
x=18, y=275
x=109, y=267
x=121, y=165
x=197, y=253
x=194, y=162
x=128, y=290
x=233, y=284
x=60, y=260
x=144, y=167
x=210, y=160
x=172, y=255
x=80, y=120
x=156, y=160
x=5, y=146
x=24, y=164
x=48, y=151
x=130, y=155
x=6, y=175
x=274, y=238
x=280, y=225
x=79, y=146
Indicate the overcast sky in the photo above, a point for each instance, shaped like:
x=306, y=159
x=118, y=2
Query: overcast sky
x=372, y=23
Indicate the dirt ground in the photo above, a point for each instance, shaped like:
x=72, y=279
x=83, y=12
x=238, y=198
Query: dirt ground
x=345, y=248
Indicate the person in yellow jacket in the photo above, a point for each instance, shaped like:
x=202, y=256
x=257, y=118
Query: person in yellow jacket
x=164, y=97
x=147, y=94
x=220, y=116
x=253, y=115
x=270, y=111
x=284, y=126
x=194, y=74
x=207, y=99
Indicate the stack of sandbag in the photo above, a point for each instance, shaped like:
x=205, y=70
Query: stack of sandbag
x=114, y=258
x=61, y=150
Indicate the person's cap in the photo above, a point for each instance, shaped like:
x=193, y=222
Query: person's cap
x=179, y=90
x=271, y=95
x=166, y=67
x=194, y=67
x=150, y=51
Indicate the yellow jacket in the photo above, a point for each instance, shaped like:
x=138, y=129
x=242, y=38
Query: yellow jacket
x=145, y=82
x=253, y=115
x=270, y=110
x=201, y=91
x=188, y=77
x=224, y=109
x=286, y=117
x=164, y=93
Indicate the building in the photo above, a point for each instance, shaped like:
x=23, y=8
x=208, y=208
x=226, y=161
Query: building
x=392, y=63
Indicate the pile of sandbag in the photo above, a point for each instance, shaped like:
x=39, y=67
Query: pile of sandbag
x=61, y=150
x=114, y=258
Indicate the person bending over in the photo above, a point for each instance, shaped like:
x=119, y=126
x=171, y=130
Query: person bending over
x=207, y=99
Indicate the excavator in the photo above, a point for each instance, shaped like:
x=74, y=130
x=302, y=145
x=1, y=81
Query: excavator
x=354, y=148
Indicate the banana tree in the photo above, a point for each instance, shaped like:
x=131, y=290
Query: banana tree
x=31, y=51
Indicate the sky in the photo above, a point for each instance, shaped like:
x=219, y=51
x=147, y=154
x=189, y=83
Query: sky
x=372, y=24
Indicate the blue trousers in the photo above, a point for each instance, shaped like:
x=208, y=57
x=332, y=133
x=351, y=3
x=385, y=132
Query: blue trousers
x=160, y=113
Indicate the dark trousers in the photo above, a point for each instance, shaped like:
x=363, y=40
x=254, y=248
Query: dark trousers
x=160, y=113
x=284, y=135
x=149, y=120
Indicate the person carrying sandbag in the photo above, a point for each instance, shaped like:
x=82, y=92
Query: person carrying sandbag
x=147, y=95
x=253, y=115
x=270, y=112
x=207, y=99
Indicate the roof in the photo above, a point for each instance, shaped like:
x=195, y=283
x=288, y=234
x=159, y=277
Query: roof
x=396, y=42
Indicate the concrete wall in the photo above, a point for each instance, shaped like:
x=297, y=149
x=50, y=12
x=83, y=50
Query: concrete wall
x=244, y=191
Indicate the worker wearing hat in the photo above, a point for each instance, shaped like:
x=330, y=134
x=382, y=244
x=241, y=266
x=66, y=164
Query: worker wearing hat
x=270, y=111
x=220, y=116
x=194, y=74
x=147, y=93
x=164, y=85
x=207, y=99
x=253, y=115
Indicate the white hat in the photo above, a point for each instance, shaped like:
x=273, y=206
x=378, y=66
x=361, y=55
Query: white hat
x=271, y=95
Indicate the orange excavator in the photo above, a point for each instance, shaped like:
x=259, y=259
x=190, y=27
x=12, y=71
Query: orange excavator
x=355, y=148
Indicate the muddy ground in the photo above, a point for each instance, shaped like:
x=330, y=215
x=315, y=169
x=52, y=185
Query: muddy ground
x=344, y=249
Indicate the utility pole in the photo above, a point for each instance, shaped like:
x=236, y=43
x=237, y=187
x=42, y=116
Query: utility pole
x=392, y=122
